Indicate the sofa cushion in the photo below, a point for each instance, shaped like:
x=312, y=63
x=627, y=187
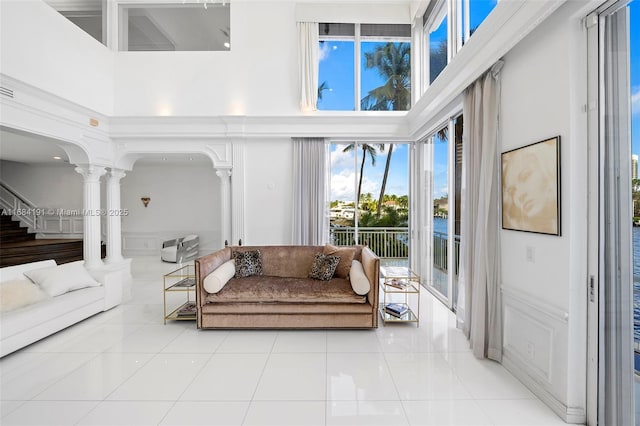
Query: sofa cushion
x=248, y=263
x=15, y=294
x=359, y=281
x=323, y=267
x=214, y=282
x=267, y=289
x=346, y=255
x=84, y=302
x=57, y=280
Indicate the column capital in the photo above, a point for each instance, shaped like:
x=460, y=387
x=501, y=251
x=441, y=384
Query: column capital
x=223, y=173
x=116, y=174
x=91, y=173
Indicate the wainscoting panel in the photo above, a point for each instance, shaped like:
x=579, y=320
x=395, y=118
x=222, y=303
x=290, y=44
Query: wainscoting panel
x=141, y=244
x=150, y=243
x=535, y=347
x=68, y=226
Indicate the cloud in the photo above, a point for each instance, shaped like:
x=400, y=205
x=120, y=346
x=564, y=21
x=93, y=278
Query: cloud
x=323, y=52
x=344, y=186
x=341, y=160
x=440, y=192
x=635, y=101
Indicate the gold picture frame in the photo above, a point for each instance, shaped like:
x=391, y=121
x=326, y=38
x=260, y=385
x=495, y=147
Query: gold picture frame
x=531, y=188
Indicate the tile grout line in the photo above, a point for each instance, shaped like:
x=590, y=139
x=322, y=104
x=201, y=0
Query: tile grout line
x=264, y=367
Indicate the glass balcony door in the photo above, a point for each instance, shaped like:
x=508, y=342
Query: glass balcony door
x=374, y=174
x=436, y=189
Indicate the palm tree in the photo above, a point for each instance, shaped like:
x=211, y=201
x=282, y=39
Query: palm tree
x=384, y=180
x=437, y=60
x=321, y=89
x=393, y=63
x=371, y=150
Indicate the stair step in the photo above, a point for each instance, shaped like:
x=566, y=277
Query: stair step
x=14, y=237
x=10, y=225
x=11, y=231
x=62, y=251
x=20, y=260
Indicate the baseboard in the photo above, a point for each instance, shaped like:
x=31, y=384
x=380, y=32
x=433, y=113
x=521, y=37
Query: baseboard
x=568, y=414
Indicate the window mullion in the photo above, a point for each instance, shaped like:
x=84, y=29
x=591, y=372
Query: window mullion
x=451, y=30
x=467, y=21
x=356, y=66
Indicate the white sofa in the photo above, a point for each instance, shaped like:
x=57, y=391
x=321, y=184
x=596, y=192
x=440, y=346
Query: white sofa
x=28, y=324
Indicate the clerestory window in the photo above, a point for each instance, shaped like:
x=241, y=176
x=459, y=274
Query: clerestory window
x=447, y=26
x=364, y=67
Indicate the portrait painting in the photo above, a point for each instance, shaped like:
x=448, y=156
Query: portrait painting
x=531, y=188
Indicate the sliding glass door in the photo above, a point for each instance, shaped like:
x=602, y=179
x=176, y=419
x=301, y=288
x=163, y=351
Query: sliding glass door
x=614, y=79
x=369, y=201
x=437, y=172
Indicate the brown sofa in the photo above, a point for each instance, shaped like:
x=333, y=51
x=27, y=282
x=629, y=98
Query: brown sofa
x=283, y=296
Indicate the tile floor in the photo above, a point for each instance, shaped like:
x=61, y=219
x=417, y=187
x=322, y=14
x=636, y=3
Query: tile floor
x=124, y=367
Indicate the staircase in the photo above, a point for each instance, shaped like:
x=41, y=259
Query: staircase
x=18, y=246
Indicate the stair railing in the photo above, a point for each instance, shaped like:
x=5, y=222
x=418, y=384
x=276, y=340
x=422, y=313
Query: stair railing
x=17, y=206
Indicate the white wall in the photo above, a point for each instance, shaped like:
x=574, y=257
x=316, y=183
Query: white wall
x=268, y=192
x=258, y=76
x=42, y=48
x=47, y=186
x=184, y=200
x=544, y=299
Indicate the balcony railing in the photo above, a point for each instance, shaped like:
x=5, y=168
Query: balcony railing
x=393, y=243
x=385, y=242
x=440, y=252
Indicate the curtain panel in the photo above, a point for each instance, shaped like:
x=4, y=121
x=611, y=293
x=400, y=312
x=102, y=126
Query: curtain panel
x=479, y=302
x=308, y=40
x=310, y=191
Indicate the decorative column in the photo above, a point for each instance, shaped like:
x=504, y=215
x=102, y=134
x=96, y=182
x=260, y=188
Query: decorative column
x=114, y=217
x=225, y=205
x=92, y=213
x=237, y=192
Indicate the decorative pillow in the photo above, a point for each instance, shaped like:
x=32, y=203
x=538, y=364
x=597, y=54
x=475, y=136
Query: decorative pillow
x=60, y=279
x=323, y=267
x=248, y=263
x=15, y=294
x=214, y=282
x=359, y=281
x=345, y=254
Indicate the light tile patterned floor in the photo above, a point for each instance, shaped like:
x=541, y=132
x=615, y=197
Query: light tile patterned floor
x=124, y=367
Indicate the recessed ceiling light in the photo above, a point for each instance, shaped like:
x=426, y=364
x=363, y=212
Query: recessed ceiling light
x=164, y=158
x=190, y=158
x=57, y=158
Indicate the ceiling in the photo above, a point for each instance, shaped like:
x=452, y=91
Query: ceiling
x=29, y=148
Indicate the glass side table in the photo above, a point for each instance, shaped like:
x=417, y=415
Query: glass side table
x=399, y=284
x=181, y=280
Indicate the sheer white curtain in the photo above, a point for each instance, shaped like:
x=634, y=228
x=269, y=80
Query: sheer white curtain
x=308, y=40
x=479, y=310
x=310, y=191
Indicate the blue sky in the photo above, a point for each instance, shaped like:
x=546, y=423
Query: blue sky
x=343, y=173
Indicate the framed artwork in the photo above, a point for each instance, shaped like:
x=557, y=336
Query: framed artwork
x=531, y=188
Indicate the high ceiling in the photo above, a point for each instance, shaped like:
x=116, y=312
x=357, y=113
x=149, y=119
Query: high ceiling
x=28, y=148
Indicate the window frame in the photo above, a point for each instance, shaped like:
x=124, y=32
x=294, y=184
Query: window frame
x=357, y=51
x=458, y=13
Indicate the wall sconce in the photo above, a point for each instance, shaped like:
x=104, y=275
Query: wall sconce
x=145, y=201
